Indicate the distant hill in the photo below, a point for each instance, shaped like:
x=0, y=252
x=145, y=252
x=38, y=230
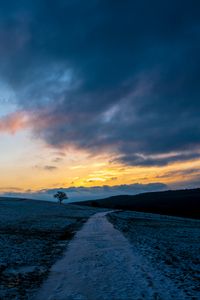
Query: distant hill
x=184, y=203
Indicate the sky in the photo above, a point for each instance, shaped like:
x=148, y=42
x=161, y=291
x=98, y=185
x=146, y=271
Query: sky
x=99, y=97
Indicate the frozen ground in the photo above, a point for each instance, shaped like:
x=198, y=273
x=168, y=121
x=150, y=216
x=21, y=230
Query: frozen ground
x=169, y=248
x=33, y=234
x=102, y=264
x=119, y=256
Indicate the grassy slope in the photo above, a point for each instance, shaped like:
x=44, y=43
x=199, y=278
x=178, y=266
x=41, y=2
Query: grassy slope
x=184, y=203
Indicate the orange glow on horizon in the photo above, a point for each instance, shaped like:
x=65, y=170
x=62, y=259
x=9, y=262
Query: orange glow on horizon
x=30, y=164
x=89, y=174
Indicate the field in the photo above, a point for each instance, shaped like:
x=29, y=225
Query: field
x=168, y=247
x=33, y=234
x=183, y=203
x=131, y=255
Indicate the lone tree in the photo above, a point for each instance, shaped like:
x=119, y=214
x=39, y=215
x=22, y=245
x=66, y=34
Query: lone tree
x=61, y=196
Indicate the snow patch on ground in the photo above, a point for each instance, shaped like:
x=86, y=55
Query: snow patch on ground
x=33, y=234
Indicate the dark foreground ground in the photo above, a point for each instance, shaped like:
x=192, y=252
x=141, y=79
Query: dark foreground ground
x=33, y=234
x=183, y=203
x=157, y=258
x=169, y=247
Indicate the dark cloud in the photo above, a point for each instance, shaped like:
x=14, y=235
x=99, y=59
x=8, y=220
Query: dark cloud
x=46, y=168
x=194, y=172
x=191, y=183
x=57, y=159
x=141, y=160
x=50, y=168
x=119, y=75
x=88, y=193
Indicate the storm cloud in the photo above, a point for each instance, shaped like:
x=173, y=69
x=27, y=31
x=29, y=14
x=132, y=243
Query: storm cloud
x=98, y=75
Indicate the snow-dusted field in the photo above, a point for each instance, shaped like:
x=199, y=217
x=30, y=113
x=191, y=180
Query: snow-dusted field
x=113, y=256
x=33, y=234
x=102, y=264
x=169, y=250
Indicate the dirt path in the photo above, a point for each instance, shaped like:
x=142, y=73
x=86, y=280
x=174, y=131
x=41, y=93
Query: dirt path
x=100, y=264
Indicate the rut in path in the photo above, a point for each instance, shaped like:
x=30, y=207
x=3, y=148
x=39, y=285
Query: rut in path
x=100, y=264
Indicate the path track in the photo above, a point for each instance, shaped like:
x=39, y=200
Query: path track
x=100, y=264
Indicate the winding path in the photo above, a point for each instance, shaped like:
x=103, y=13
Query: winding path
x=100, y=264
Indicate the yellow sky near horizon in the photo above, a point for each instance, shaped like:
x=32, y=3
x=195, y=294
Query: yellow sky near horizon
x=29, y=164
